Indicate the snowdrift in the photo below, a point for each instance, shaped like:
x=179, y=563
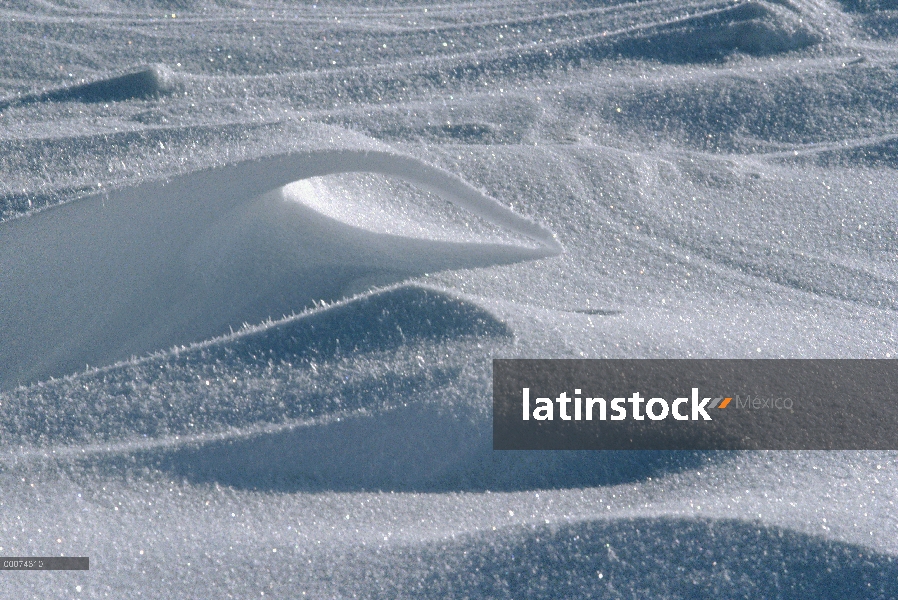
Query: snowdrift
x=168, y=263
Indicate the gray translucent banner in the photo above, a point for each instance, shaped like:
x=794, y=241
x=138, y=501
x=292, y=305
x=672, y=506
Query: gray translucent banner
x=695, y=404
x=44, y=563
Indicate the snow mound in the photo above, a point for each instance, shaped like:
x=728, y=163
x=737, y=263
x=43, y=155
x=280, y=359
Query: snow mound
x=129, y=401
x=152, y=266
x=713, y=30
x=146, y=83
x=373, y=393
x=665, y=557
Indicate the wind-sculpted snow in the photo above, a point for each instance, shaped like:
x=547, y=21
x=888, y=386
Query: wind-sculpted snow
x=256, y=259
x=174, y=262
x=847, y=254
x=299, y=405
x=111, y=405
x=142, y=83
x=631, y=558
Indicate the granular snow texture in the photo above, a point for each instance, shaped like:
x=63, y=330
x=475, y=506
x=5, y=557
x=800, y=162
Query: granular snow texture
x=256, y=259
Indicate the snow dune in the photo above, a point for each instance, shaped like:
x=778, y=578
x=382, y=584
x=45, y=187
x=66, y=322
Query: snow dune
x=167, y=263
x=318, y=428
x=630, y=558
x=722, y=177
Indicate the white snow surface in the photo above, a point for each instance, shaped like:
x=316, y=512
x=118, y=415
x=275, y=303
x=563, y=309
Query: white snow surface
x=256, y=259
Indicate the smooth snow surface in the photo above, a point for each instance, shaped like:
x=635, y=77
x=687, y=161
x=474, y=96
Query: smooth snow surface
x=256, y=259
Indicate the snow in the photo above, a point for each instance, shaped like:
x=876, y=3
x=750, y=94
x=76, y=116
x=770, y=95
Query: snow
x=256, y=259
x=153, y=266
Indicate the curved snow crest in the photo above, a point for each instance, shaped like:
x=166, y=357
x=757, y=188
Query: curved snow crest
x=168, y=263
x=74, y=412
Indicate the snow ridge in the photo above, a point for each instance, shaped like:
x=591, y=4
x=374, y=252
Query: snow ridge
x=164, y=263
